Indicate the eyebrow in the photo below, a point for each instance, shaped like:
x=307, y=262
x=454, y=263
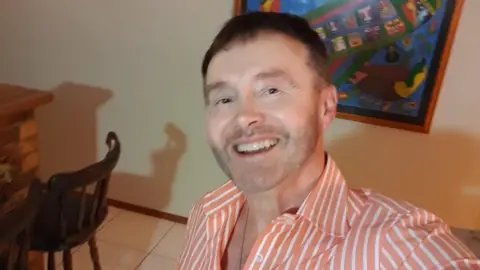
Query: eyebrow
x=212, y=86
x=268, y=74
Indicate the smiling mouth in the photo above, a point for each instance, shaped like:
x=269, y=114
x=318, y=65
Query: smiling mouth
x=255, y=148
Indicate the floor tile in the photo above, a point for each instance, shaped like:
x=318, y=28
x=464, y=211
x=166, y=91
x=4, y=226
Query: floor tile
x=112, y=257
x=112, y=213
x=157, y=262
x=172, y=244
x=134, y=230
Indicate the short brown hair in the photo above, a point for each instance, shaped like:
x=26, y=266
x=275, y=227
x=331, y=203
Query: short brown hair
x=248, y=26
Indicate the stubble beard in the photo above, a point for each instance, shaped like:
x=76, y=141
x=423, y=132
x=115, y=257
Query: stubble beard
x=255, y=178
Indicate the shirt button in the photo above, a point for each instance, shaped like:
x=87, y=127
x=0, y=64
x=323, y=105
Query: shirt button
x=259, y=258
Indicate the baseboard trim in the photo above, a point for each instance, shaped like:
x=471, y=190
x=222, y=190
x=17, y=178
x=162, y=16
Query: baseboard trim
x=147, y=211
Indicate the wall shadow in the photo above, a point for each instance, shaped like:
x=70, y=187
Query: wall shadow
x=153, y=191
x=68, y=128
x=68, y=141
x=439, y=171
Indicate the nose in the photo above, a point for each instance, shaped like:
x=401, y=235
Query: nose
x=249, y=115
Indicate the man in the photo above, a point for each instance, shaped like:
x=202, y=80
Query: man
x=268, y=103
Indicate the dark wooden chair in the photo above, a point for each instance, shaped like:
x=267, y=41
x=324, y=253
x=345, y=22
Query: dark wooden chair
x=15, y=229
x=73, y=209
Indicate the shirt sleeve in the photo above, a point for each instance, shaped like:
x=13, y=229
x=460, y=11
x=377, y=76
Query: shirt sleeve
x=420, y=240
x=195, y=236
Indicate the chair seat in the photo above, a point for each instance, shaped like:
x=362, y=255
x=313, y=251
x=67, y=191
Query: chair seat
x=47, y=236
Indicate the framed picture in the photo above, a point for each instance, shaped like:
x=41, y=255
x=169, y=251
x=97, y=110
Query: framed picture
x=387, y=57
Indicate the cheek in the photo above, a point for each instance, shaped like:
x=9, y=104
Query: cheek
x=212, y=132
x=297, y=116
x=298, y=124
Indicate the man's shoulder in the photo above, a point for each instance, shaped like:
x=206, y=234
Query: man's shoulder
x=210, y=198
x=395, y=209
x=413, y=235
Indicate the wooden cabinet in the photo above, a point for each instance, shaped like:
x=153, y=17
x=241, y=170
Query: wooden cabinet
x=18, y=135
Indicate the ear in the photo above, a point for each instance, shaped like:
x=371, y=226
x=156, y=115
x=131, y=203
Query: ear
x=328, y=101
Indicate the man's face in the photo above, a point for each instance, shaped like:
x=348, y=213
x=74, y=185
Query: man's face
x=265, y=111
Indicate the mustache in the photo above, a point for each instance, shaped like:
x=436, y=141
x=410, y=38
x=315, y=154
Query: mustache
x=238, y=132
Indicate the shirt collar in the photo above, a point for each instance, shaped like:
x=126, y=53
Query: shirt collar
x=326, y=206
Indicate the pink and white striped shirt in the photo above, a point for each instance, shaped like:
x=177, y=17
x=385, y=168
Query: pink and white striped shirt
x=335, y=228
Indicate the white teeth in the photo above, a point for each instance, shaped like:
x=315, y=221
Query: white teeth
x=256, y=146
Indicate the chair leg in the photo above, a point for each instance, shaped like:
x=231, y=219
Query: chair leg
x=51, y=261
x=92, y=243
x=67, y=260
x=24, y=240
x=12, y=256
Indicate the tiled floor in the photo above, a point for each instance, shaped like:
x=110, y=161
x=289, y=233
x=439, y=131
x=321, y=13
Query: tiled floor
x=130, y=241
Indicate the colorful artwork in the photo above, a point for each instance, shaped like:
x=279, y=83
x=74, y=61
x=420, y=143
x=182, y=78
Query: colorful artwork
x=387, y=57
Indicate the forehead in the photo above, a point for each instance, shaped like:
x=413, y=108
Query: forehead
x=264, y=52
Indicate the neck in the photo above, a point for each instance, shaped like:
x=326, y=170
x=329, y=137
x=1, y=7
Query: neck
x=288, y=196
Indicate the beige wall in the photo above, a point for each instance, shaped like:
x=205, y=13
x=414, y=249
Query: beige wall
x=120, y=65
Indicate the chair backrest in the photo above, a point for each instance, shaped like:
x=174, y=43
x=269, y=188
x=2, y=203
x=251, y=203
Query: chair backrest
x=92, y=204
x=15, y=228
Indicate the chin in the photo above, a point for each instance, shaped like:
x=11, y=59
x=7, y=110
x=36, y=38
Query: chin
x=251, y=183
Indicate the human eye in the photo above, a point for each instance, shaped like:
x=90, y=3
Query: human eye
x=271, y=91
x=222, y=101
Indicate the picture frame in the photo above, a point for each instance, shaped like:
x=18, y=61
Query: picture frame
x=389, y=70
